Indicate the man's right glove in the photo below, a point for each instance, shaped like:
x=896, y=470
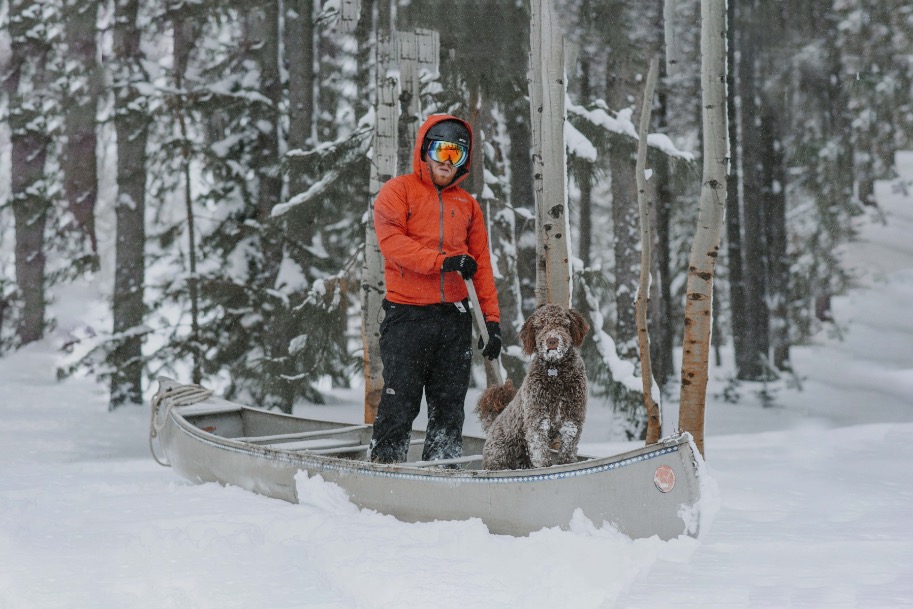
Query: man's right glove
x=493, y=348
x=463, y=264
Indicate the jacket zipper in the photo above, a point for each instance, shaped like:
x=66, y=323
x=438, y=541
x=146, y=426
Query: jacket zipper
x=440, y=198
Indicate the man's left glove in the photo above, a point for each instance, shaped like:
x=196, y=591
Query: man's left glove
x=493, y=349
x=463, y=264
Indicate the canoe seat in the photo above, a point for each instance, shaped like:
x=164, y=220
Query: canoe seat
x=341, y=448
x=301, y=435
x=316, y=444
x=454, y=461
x=202, y=410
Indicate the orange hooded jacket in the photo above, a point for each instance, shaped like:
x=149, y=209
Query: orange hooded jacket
x=418, y=227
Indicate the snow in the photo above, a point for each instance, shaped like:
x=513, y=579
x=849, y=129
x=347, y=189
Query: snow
x=807, y=489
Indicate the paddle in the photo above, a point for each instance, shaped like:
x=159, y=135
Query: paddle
x=483, y=331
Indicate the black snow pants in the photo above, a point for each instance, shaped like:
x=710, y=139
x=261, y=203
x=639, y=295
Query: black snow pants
x=423, y=348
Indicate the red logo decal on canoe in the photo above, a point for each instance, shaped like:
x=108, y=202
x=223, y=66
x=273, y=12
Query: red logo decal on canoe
x=209, y=429
x=664, y=478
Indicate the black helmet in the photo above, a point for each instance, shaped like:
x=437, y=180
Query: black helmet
x=448, y=131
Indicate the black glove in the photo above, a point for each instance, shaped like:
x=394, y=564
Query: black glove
x=463, y=264
x=493, y=348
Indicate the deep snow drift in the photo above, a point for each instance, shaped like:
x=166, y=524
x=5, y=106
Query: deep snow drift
x=816, y=509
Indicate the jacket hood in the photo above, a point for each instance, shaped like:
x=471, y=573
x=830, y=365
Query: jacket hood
x=420, y=167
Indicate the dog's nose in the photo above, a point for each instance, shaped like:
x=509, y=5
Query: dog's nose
x=551, y=342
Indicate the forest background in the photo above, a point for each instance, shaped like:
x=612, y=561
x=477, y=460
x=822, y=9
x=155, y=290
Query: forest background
x=210, y=164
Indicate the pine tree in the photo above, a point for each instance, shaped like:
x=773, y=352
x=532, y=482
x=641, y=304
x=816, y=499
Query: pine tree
x=131, y=121
x=83, y=84
x=26, y=82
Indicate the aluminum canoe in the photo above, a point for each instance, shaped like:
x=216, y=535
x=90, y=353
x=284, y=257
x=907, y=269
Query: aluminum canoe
x=654, y=490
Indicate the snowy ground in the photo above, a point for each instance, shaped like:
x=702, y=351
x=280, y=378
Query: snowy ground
x=816, y=506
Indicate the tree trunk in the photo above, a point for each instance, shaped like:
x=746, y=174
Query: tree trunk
x=263, y=40
x=383, y=168
x=79, y=166
x=774, y=201
x=410, y=110
x=737, y=303
x=299, y=53
x=705, y=247
x=664, y=326
x=547, y=92
x=505, y=249
x=300, y=41
x=131, y=121
x=536, y=112
x=754, y=364
x=671, y=39
x=363, y=58
x=26, y=88
x=417, y=52
x=624, y=213
x=585, y=204
x=522, y=189
x=654, y=423
x=184, y=39
x=350, y=13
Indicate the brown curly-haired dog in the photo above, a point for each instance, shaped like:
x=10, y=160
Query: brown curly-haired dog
x=548, y=410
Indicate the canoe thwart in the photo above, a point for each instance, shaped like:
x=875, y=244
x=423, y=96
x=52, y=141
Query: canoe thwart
x=454, y=461
x=301, y=435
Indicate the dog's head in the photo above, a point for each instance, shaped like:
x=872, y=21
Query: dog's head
x=551, y=331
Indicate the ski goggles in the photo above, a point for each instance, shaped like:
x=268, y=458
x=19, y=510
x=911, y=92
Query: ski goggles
x=441, y=151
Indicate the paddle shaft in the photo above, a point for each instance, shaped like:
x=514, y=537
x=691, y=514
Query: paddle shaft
x=483, y=331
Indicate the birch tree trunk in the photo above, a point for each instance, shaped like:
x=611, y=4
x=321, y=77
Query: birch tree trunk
x=705, y=247
x=83, y=83
x=672, y=39
x=349, y=12
x=654, y=422
x=383, y=167
x=26, y=87
x=409, y=96
x=547, y=93
x=131, y=121
x=417, y=52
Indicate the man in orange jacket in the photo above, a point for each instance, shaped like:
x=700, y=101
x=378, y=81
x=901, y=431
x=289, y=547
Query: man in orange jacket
x=432, y=235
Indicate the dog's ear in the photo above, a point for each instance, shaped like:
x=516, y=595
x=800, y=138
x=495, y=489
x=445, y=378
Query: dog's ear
x=579, y=327
x=528, y=336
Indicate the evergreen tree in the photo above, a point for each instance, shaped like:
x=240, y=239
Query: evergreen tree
x=83, y=84
x=26, y=82
x=131, y=121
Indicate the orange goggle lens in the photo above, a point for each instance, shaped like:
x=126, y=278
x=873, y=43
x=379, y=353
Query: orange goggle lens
x=440, y=152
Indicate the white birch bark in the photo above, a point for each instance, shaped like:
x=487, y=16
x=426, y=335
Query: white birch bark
x=673, y=43
x=383, y=167
x=705, y=247
x=547, y=93
x=417, y=52
x=349, y=11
